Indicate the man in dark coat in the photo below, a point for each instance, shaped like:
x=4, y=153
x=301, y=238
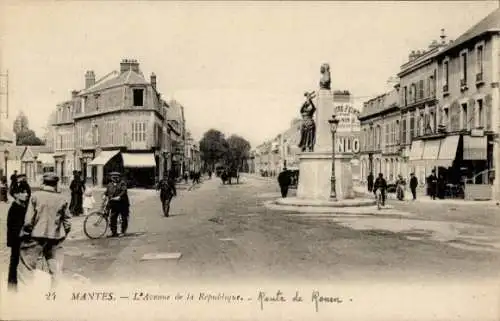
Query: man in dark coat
x=370, y=182
x=13, y=181
x=77, y=188
x=432, y=181
x=167, y=192
x=413, y=185
x=118, y=201
x=381, y=183
x=284, y=180
x=21, y=192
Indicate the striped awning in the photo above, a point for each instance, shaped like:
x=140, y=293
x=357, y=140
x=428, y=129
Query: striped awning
x=417, y=149
x=143, y=160
x=104, y=157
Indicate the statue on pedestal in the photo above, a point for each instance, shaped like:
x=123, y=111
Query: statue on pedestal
x=324, y=82
x=308, y=128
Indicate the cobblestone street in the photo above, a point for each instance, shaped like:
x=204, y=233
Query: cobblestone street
x=225, y=231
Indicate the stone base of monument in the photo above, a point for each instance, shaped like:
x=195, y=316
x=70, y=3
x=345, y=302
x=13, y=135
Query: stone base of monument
x=314, y=186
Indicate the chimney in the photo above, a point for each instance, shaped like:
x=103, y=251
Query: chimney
x=74, y=93
x=89, y=79
x=443, y=37
x=129, y=64
x=153, y=80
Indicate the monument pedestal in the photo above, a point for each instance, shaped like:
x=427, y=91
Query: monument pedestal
x=315, y=171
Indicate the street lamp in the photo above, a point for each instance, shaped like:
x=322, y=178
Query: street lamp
x=334, y=122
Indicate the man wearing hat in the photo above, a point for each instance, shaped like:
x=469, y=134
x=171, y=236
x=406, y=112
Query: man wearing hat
x=21, y=192
x=116, y=193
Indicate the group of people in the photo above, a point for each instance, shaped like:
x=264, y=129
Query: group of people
x=381, y=183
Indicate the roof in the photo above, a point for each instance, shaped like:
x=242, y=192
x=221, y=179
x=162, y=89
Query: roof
x=174, y=111
x=15, y=152
x=389, y=101
x=491, y=23
x=114, y=79
x=34, y=151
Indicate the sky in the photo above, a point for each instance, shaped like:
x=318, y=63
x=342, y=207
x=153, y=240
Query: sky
x=240, y=67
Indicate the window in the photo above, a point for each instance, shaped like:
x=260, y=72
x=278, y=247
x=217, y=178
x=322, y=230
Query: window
x=379, y=136
x=412, y=127
x=396, y=132
x=446, y=117
x=479, y=60
x=403, y=130
x=138, y=97
x=432, y=121
x=480, y=115
x=139, y=131
x=465, y=120
x=387, y=130
x=405, y=96
x=446, y=74
x=421, y=89
x=463, y=62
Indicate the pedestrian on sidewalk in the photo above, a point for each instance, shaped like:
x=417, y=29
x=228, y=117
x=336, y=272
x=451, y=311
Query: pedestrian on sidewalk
x=46, y=226
x=21, y=192
x=4, y=190
x=167, y=192
x=380, y=183
x=13, y=182
x=369, y=180
x=413, y=185
x=88, y=201
x=284, y=181
x=432, y=184
x=77, y=188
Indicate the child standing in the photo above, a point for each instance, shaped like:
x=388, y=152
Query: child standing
x=88, y=201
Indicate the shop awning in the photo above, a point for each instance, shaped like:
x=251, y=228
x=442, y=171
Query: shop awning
x=417, y=149
x=139, y=160
x=475, y=148
x=431, y=149
x=448, y=149
x=46, y=158
x=104, y=157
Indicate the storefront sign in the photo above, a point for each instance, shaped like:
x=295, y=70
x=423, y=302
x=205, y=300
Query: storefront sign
x=347, y=116
x=347, y=144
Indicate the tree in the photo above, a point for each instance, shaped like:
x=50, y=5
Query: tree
x=213, y=147
x=238, y=151
x=20, y=123
x=24, y=135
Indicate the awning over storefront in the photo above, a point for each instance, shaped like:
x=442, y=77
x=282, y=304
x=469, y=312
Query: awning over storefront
x=417, y=149
x=449, y=147
x=431, y=149
x=104, y=157
x=46, y=158
x=139, y=160
x=475, y=148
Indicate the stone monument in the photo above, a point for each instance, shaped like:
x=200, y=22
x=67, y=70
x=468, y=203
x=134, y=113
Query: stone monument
x=315, y=164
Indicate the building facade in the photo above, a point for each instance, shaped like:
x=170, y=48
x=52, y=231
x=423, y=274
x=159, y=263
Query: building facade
x=468, y=87
x=379, y=138
x=114, y=124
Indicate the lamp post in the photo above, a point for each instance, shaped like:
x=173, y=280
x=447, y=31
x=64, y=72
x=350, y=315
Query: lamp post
x=6, y=158
x=334, y=122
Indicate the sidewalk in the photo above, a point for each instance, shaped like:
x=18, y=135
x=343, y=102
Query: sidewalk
x=422, y=198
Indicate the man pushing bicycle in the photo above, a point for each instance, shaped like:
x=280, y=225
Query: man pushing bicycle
x=380, y=183
x=117, y=200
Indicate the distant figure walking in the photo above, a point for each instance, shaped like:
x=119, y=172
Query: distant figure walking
x=4, y=190
x=77, y=188
x=284, y=180
x=167, y=192
x=432, y=185
x=88, y=201
x=370, y=180
x=413, y=185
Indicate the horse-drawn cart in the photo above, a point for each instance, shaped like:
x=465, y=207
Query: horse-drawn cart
x=50, y=179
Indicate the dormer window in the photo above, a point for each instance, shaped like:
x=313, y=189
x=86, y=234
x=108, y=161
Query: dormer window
x=138, y=96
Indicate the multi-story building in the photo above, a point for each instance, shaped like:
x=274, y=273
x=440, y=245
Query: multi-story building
x=468, y=78
x=64, y=138
x=176, y=125
x=117, y=124
x=379, y=150
x=289, y=145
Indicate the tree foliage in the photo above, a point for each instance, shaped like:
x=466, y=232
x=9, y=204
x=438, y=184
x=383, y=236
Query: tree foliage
x=213, y=147
x=216, y=148
x=24, y=135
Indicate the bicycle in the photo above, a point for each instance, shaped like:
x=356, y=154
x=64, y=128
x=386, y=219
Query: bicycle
x=99, y=220
x=378, y=197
